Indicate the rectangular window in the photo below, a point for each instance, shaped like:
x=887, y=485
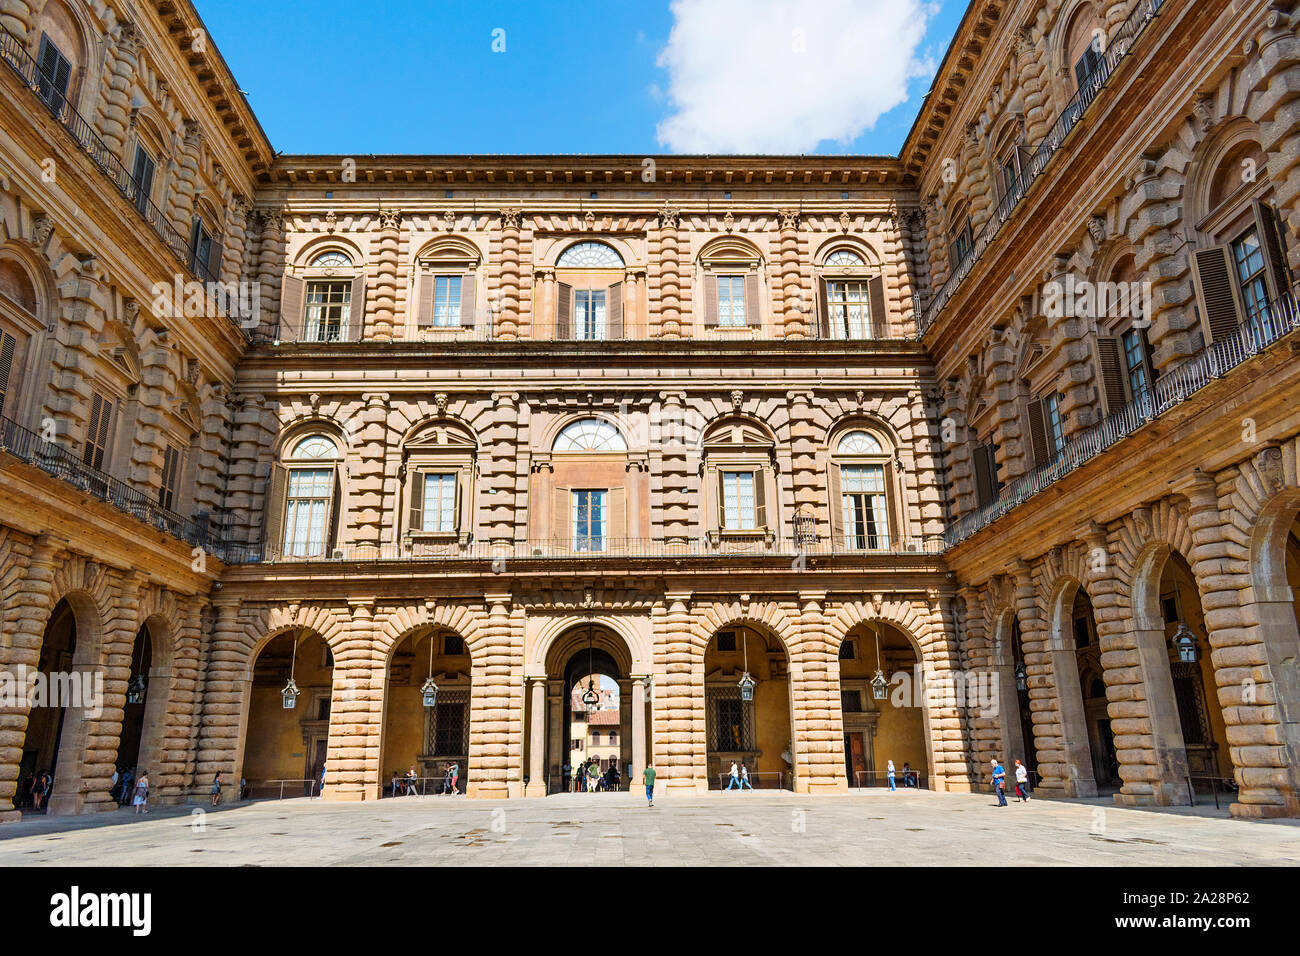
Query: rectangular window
x=866, y=520
x=1055, y=424
x=851, y=701
x=453, y=645
x=589, y=318
x=1248, y=257
x=850, y=314
x=847, y=651
x=589, y=520
x=200, y=249
x=446, y=301
x=730, y=725
x=439, y=503
x=142, y=177
x=738, y=511
x=170, y=477
x=97, y=432
x=328, y=307
x=53, y=71
x=306, y=511
x=726, y=641
x=731, y=302
x=1135, y=363
x=961, y=245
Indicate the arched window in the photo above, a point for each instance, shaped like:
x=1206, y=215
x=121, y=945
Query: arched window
x=590, y=434
x=20, y=325
x=333, y=259
x=1245, y=266
x=325, y=303
x=844, y=257
x=851, y=297
x=861, y=480
x=589, y=255
x=303, y=499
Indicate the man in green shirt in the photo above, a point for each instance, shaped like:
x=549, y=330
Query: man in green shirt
x=650, y=785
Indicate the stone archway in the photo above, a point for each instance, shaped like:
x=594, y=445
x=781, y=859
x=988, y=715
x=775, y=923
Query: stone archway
x=427, y=739
x=757, y=734
x=144, y=714
x=283, y=743
x=1088, y=743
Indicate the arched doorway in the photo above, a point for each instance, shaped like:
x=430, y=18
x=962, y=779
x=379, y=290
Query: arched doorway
x=1024, y=711
x=1204, y=734
x=286, y=746
x=43, y=745
x=1102, y=756
x=145, y=712
x=427, y=738
x=757, y=732
x=878, y=730
x=588, y=720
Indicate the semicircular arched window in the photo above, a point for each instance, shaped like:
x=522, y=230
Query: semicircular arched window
x=590, y=434
x=302, y=505
x=589, y=255
x=862, y=492
x=859, y=443
x=844, y=257
x=313, y=447
x=333, y=259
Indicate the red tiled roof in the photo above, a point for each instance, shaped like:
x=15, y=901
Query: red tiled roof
x=603, y=718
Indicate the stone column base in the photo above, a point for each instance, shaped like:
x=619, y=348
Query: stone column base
x=1167, y=796
x=535, y=789
x=1256, y=811
x=344, y=794
x=10, y=816
x=66, y=804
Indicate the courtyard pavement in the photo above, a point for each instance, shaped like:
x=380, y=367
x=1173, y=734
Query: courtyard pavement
x=872, y=828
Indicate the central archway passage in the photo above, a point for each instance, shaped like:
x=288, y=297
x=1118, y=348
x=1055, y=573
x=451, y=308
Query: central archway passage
x=596, y=733
x=755, y=733
x=892, y=729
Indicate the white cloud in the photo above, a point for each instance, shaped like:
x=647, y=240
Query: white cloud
x=780, y=76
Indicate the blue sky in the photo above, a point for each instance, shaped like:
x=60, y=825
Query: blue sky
x=421, y=76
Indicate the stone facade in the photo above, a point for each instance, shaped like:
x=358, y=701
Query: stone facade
x=826, y=412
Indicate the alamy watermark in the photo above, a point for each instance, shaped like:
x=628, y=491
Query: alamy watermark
x=25, y=687
x=241, y=300
x=1083, y=299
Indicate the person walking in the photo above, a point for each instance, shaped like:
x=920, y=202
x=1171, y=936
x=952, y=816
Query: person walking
x=40, y=787
x=735, y=777
x=1022, y=782
x=592, y=774
x=243, y=789
x=322, y=780
x=141, y=799
x=744, y=777
x=128, y=787
x=889, y=772
x=999, y=782
x=649, y=776
x=566, y=773
x=577, y=779
x=216, y=789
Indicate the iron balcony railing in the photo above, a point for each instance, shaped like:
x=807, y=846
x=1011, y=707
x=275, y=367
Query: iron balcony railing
x=760, y=546
x=1036, y=159
x=492, y=331
x=1278, y=320
x=56, y=460
x=13, y=52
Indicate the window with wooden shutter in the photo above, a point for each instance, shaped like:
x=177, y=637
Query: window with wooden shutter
x=760, y=499
x=983, y=467
x=97, y=431
x=835, y=488
x=8, y=347
x=1112, y=382
x=1218, y=301
x=823, y=310
x=334, y=516
x=415, y=495
x=562, y=517
x=710, y=301
x=753, y=310
x=426, y=285
x=878, y=319
x=563, y=310
x=614, y=311
x=616, y=522
x=1273, y=238
x=355, y=315
x=468, y=302
x=273, y=507
x=170, y=477
x=1038, y=441
x=292, y=303
x=53, y=73
x=142, y=177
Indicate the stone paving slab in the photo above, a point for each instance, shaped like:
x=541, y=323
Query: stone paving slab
x=878, y=828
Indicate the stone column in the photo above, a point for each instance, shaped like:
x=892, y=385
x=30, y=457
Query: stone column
x=537, y=739
x=679, y=731
x=227, y=686
x=638, y=730
x=115, y=112
x=796, y=317
x=1053, y=773
x=497, y=705
x=387, y=326
x=816, y=724
x=28, y=609
x=509, y=273
x=174, y=763
x=557, y=746
x=664, y=258
x=356, y=712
